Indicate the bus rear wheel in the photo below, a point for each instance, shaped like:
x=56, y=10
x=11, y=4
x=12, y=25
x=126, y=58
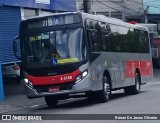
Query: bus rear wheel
x=51, y=101
x=134, y=89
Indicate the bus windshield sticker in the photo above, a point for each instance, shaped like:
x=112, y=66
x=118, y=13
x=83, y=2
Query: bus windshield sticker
x=35, y=38
x=44, y=36
x=68, y=60
x=54, y=61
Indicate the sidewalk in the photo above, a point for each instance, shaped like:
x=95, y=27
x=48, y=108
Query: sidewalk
x=16, y=102
x=15, y=97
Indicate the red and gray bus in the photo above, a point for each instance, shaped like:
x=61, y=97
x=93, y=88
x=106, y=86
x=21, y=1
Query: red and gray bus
x=68, y=54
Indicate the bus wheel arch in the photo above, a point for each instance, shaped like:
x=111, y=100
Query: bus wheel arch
x=104, y=94
x=107, y=74
x=135, y=89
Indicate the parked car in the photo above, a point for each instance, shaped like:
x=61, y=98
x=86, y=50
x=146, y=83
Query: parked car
x=11, y=71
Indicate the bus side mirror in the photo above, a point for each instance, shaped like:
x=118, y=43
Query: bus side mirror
x=15, y=47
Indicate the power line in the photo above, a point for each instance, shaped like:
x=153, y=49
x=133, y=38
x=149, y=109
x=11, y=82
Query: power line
x=125, y=7
x=112, y=8
x=145, y=4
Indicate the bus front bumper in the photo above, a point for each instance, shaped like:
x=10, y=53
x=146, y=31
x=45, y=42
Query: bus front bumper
x=79, y=87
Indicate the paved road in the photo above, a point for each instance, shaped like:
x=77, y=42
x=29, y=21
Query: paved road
x=147, y=102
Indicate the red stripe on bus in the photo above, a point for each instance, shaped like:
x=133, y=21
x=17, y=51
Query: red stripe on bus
x=47, y=80
x=145, y=68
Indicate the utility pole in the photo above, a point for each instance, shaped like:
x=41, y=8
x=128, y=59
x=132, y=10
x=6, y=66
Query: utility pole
x=87, y=6
x=145, y=14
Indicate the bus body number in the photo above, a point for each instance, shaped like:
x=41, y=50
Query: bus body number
x=64, y=78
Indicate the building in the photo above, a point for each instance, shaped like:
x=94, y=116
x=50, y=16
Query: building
x=153, y=6
x=153, y=12
x=127, y=10
x=153, y=16
x=13, y=11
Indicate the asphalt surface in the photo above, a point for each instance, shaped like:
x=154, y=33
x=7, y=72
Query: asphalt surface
x=147, y=102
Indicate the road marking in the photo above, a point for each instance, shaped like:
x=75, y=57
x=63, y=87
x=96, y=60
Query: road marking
x=33, y=106
x=153, y=83
x=149, y=84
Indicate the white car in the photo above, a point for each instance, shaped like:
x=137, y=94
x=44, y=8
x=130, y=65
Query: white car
x=11, y=71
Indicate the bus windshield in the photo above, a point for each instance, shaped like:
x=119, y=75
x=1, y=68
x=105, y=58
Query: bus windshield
x=56, y=47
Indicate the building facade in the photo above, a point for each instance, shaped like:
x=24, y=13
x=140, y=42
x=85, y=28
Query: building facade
x=153, y=12
x=153, y=6
x=123, y=9
x=13, y=11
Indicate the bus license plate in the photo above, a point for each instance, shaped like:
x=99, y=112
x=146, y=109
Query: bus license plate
x=53, y=89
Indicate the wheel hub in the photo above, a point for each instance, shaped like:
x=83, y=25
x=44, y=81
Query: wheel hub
x=106, y=87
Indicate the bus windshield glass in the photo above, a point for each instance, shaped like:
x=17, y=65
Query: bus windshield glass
x=56, y=47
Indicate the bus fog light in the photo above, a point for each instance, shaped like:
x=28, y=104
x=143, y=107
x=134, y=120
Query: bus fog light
x=26, y=80
x=30, y=84
x=78, y=78
x=84, y=74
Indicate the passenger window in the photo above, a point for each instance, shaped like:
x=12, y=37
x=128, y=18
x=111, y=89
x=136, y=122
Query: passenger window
x=94, y=43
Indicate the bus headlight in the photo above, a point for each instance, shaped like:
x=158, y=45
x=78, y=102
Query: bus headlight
x=84, y=74
x=26, y=80
x=81, y=76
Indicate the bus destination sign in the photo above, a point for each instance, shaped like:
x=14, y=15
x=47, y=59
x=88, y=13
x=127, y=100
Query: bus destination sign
x=53, y=21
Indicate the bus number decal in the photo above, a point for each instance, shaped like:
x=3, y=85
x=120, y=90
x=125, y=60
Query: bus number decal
x=64, y=78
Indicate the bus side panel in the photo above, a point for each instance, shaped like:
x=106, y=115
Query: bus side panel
x=144, y=67
x=96, y=71
x=141, y=62
x=122, y=68
x=110, y=62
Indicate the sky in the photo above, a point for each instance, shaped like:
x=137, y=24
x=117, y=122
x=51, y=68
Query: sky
x=152, y=6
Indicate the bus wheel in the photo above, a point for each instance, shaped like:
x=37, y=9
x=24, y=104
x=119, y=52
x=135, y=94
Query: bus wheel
x=134, y=89
x=104, y=95
x=51, y=101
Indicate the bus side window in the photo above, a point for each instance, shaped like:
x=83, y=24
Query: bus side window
x=94, y=43
x=105, y=37
x=89, y=37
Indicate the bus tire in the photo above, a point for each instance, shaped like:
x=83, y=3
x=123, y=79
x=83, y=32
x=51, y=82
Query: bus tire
x=51, y=101
x=104, y=94
x=136, y=88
